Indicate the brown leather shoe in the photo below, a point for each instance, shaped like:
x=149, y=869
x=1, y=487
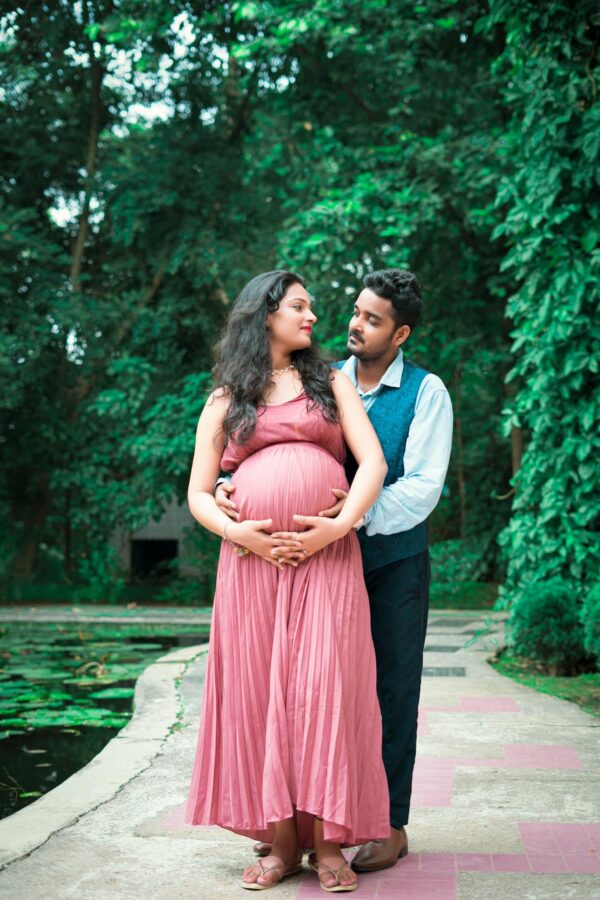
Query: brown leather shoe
x=381, y=854
x=262, y=849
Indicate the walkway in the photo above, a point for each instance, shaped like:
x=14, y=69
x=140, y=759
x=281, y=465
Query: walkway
x=505, y=798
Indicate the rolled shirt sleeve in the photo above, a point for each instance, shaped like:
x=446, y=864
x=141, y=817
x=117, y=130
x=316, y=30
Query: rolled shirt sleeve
x=412, y=498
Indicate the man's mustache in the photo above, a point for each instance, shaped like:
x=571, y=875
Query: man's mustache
x=353, y=334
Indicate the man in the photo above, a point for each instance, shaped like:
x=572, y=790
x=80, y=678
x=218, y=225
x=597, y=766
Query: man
x=411, y=412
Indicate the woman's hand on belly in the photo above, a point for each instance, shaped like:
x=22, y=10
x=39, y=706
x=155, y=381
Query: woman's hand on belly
x=253, y=535
x=320, y=532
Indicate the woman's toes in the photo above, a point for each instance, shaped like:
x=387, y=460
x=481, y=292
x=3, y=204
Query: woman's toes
x=251, y=874
x=347, y=876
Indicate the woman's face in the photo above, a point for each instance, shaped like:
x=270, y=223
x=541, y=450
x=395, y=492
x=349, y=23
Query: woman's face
x=291, y=325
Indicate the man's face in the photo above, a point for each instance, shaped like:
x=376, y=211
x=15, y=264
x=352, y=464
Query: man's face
x=373, y=332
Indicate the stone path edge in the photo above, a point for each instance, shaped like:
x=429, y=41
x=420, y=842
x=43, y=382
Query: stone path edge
x=156, y=711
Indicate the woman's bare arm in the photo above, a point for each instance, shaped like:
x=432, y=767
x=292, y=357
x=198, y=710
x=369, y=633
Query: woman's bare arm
x=361, y=438
x=206, y=466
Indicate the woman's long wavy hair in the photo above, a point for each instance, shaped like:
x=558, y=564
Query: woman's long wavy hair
x=243, y=359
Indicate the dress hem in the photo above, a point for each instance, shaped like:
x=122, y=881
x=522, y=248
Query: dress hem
x=266, y=834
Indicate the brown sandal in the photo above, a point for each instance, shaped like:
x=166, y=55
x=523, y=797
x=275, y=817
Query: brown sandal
x=337, y=888
x=287, y=870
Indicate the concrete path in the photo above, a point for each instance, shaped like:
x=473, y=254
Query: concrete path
x=505, y=798
x=107, y=615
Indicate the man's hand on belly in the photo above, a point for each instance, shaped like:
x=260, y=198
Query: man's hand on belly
x=224, y=502
x=333, y=511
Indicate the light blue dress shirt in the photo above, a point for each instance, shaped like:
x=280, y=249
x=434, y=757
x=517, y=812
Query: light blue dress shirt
x=411, y=498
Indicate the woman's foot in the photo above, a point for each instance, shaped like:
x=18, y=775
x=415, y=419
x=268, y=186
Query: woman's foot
x=267, y=872
x=335, y=874
x=283, y=858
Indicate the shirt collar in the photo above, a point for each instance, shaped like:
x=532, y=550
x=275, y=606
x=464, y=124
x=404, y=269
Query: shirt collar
x=391, y=377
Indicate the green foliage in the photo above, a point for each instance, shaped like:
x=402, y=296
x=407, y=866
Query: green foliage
x=550, y=226
x=157, y=156
x=200, y=548
x=462, y=595
x=545, y=626
x=590, y=619
x=101, y=574
x=291, y=132
x=458, y=569
x=456, y=561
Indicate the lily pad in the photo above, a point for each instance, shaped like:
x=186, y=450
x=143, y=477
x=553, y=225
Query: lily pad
x=107, y=693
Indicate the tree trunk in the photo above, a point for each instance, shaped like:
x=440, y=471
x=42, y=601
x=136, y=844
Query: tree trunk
x=516, y=434
x=97, y=74
x=150, y=293
x=24, y=561
x=460, y=450
x=68, y=534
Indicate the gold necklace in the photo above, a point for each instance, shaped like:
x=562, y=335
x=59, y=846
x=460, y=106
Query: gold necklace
x=287, y=369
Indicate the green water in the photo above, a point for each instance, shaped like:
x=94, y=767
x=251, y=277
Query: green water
x=65, y=691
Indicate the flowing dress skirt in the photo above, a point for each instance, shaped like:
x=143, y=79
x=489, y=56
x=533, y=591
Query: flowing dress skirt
x=290, y=720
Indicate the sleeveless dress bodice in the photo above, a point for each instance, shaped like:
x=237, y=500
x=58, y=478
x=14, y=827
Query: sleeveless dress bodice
x=293, y=459
x=295, y=420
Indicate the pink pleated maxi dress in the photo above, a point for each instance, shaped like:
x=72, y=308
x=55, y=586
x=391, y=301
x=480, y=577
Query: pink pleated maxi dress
x=290, y=717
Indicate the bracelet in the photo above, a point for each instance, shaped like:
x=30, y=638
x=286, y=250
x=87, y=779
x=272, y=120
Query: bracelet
x=241, y=551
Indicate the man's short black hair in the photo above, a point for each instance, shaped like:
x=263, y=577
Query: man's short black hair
x=402, y=289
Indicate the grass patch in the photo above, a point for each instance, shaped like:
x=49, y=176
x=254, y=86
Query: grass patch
x=584, y=690
x=462, y=595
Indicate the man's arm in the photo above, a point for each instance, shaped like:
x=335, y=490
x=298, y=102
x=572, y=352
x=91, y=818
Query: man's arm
x=223, y=491
x=411, y=498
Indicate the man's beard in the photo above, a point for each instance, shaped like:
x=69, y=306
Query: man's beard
x=357, y=350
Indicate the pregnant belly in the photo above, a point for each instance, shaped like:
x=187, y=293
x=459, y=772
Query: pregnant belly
x=283, y=479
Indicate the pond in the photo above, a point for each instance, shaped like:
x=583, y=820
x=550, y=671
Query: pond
x=65, y=691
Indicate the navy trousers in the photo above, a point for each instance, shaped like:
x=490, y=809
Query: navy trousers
x=399, y=599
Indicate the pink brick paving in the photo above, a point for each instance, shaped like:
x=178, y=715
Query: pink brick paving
x=434, y=775
x=468, y=705
x=569, y=848
x=556, y=847
x=478, y=704
x=547, y=847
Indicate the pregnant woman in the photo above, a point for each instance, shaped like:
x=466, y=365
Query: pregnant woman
x=289, y=746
